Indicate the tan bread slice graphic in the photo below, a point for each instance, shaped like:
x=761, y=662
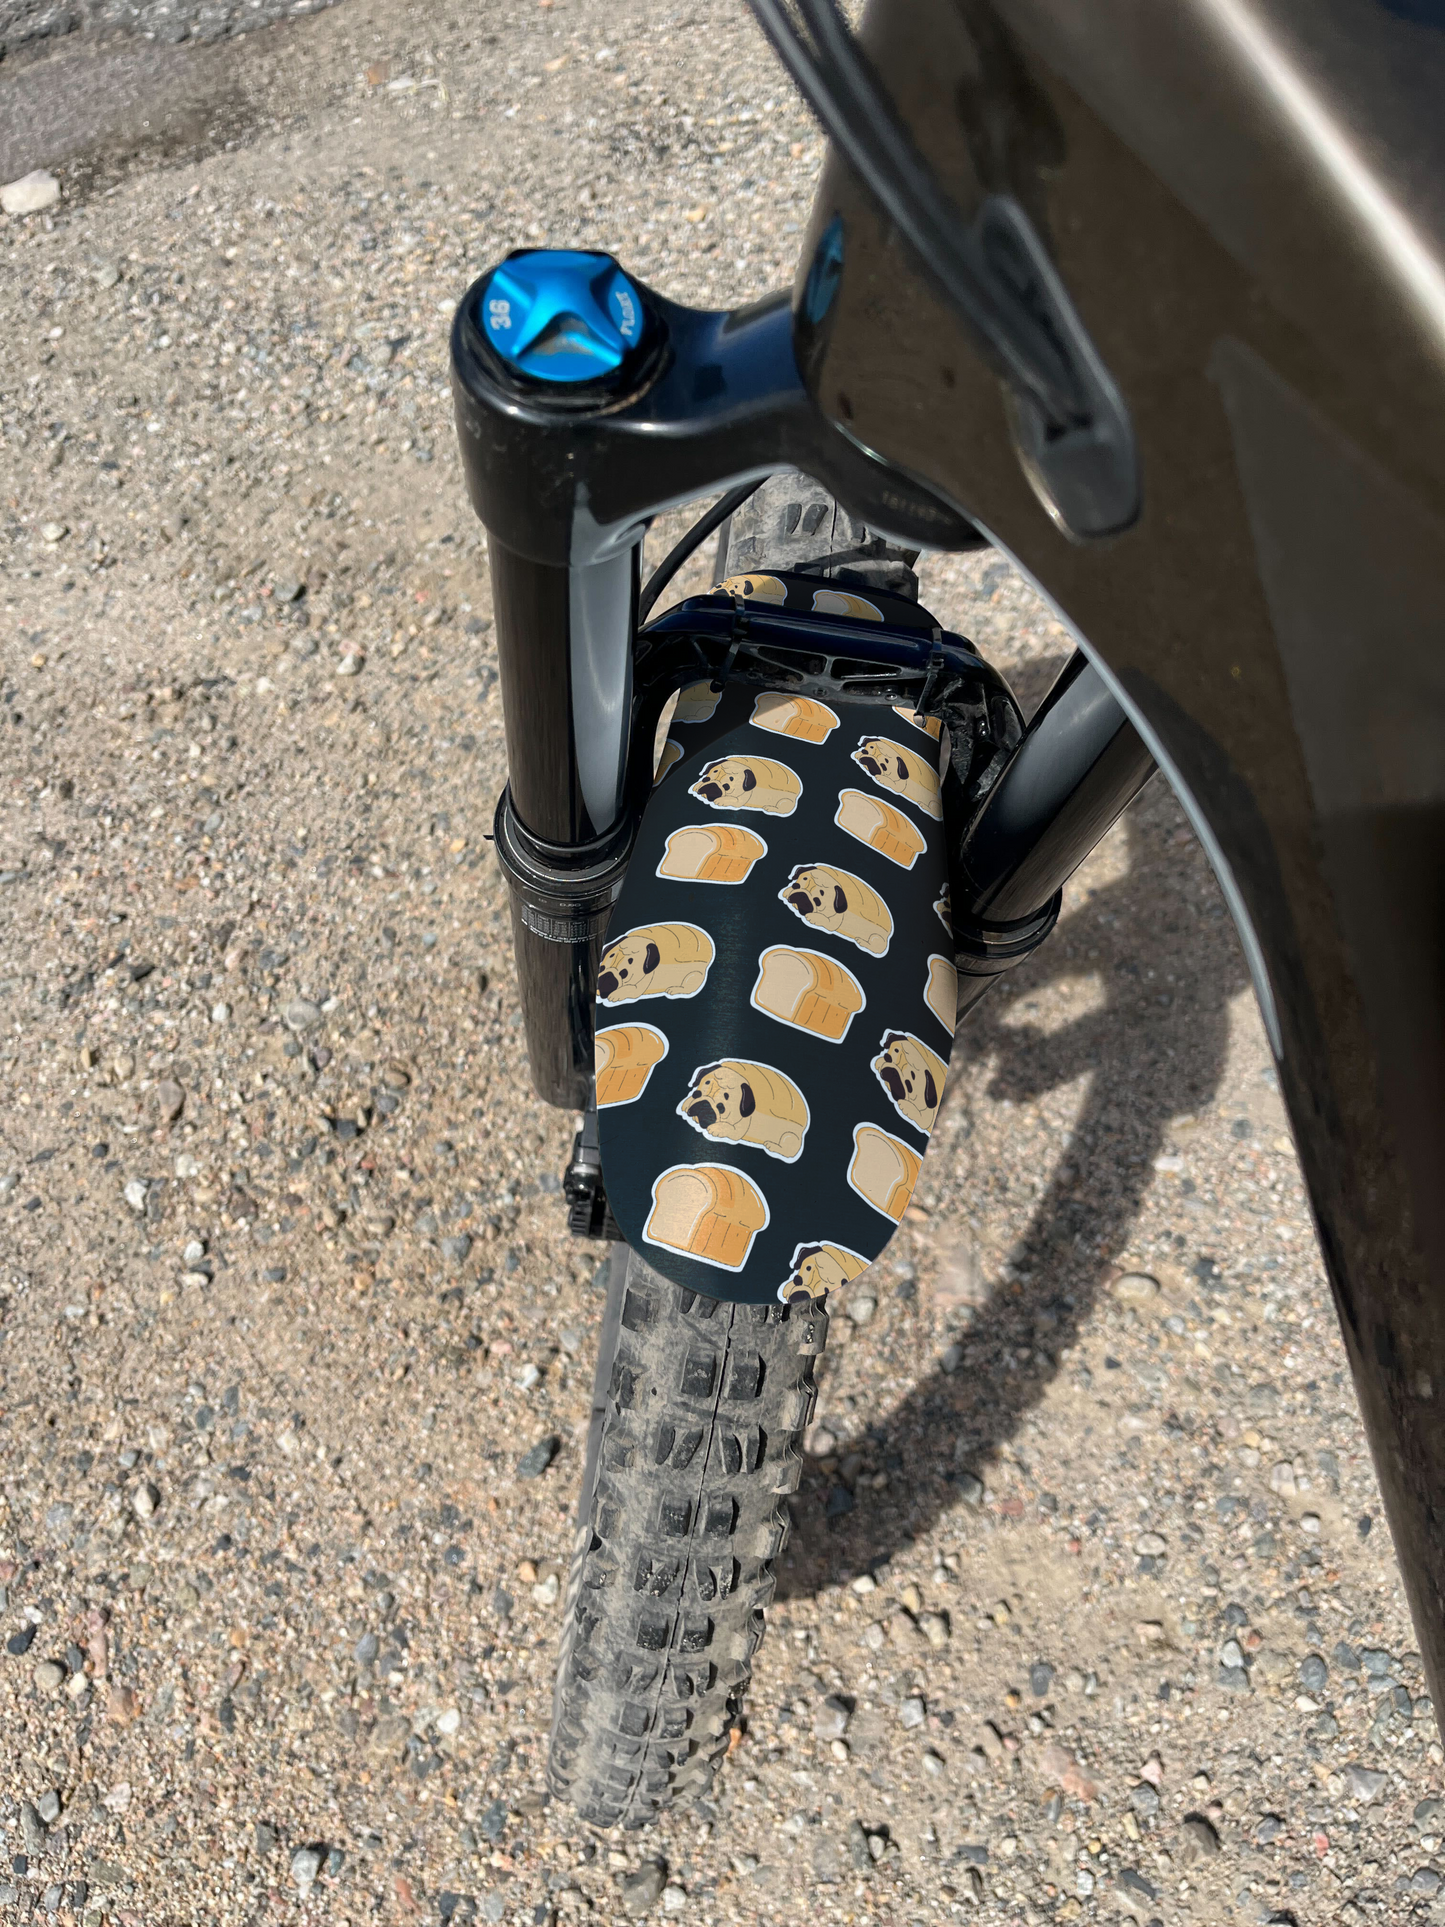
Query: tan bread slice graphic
x=709, y=1211
x=655, y=960
x=761, y=588
x=624, y=1058
x=796, y=716
x=943, y=909
x=940, y=993
x=837, y=602
x=748, y=783
x=671, y=753
x=821, y=1268
x=696, y=703
x=913, y=1077
x=884, y=1170
x=930, y=725
x=807, y=990
x=737, y=1101
x=888, y=831
x=711, y=853
x=835, y=900
x=902, y=771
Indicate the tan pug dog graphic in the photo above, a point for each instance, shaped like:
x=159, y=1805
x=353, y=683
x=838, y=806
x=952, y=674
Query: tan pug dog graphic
x=818, y=1269
x=745, y=1103
x=749, y=783
x=913, y=1077
x=903, y=771
x=836, y=900
x=658, y=960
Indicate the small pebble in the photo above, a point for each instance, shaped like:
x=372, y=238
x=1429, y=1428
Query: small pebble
x=1363, y=1783
x=32, y=1829
x=31, y=194
x=305, y=1865
x=49, y=1676
x=534, y=1463
x=830, y=1722
x=351, y=663
x=1136, y=1287
x=860, y=1307
x=301, y=1014
x=912, y=1712
x=641, y=1890
x=144, y=1500
x=1313, y=1673
x=136, y=1193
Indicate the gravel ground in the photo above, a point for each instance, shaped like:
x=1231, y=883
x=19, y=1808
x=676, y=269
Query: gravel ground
x=1089, y=1611
x=30, y=25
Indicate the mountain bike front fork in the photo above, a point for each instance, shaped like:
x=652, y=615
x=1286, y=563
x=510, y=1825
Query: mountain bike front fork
x=587, y=403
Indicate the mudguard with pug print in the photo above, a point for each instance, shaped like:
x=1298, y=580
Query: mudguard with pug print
x=775, y=1003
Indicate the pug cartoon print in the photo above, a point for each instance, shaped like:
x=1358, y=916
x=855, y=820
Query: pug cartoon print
x=835, y=900
x=739, y=1102
x=657, y=960
x=903, y=772
x=748, y=783
x=819, y=1269
x=913, y=1077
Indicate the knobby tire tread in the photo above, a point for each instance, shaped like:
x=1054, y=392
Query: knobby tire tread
x=698, y=1420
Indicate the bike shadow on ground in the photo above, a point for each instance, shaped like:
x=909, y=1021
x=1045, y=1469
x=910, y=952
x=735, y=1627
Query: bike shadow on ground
x=1145, y=1062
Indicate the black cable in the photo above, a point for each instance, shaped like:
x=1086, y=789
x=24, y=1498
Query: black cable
x=694, y=539
x=970, y=265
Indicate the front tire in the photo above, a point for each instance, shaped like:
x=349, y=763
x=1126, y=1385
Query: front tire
x=696, y=1442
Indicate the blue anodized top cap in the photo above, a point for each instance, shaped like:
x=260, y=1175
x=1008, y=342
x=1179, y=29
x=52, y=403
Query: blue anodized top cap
x=561, y=315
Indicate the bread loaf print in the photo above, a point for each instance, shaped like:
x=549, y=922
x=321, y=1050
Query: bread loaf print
x=696, y=703
x=903, y=771
x=940, y=992
x=930, y=725
x=741, y=1102
x=884, y=1170
x=711, y=853
x=819, y=1269
x=838, y=602
x=912, y=1075
x=671, y=753
x=758, y=588
x=658, y=960
x=709, y=1211
x=808, y=991
x=624, y=1058
x=943, y=909
x=797, y=716
x=749, y=783
x=837, y=901
x=868, y=819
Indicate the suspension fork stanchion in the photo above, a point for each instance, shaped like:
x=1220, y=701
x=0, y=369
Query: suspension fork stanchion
x=1078, y=767
x=564, y=642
